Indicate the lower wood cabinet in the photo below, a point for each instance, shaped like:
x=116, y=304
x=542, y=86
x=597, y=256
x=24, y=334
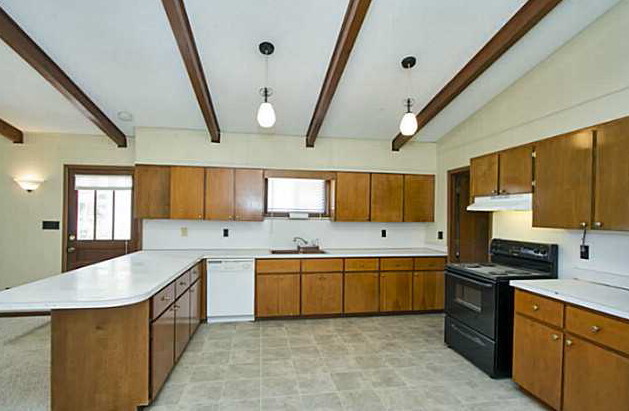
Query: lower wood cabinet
x=396, y=291
x=195, y=307
x=277, y=295
x=361, y=292
x=321, y=293
x=428, y=290
x=162, y=348
x=182, y=323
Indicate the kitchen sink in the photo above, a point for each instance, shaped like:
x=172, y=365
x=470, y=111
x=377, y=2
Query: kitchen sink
x=299, y=251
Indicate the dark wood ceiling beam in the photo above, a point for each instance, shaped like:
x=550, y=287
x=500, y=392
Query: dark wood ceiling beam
x=180, y=25
x=524, y=20
x=353, y=21
x=11, y=132
x=22, y=44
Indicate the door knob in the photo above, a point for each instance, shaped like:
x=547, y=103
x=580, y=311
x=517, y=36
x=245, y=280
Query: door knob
x=71, y=237
x=71, y=249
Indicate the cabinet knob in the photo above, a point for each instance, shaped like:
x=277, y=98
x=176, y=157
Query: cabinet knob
x=555, y=337
x=569, y=343
x=182, y=283
x=503, y=191
x=595, y=329
x=176, y=307
x=598, y=224
x=494, y=191
x=165, y=298
x=583, y=224
x=535, y=307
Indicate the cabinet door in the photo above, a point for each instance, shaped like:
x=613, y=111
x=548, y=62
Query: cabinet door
x=387, y=196
x=537, y=359
x=195, y=306
x=563, y=181
x=419, y=198
x=484, y=175
x=219, y=194
x=249, y=195
x=187, y=185
x=428, y=290
x=352, y=196
x=321, y=293
x=594, y=377
x=152, y=191
x=361, y=292
x=277, y=295
x=516, y=170
x=611, y=209
x=182, y=323
x=396, y=291
x=162, y=349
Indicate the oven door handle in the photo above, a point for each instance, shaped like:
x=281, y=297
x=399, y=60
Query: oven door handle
x=469, y=280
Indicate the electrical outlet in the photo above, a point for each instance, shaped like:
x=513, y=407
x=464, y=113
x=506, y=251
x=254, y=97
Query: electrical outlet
x=439, y=235
x=225, y=232
x=383, y=233
x=184, y=231
x=585, y=252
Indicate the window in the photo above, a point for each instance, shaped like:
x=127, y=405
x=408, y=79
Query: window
x=296, y=195
x=104, y=207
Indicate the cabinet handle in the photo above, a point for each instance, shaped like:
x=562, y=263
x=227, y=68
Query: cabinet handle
x=583, y=224
x=165, y=298
x=503, y=191
x=555, y=337
x=569, y=343
x=494, y=191
x=598, y=224
x=182, y=283
x=176, y=307
x=535, y=307
x=595, y=329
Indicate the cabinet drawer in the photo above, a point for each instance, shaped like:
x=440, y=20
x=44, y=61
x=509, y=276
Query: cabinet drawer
x=278, y=266
x=195, y=273
x=362, y=264
x=162, y=300
x=182, y=283
x=599, y=328
x=538, y=307
x=430, y=263
x=396, y=264
x=321, y=265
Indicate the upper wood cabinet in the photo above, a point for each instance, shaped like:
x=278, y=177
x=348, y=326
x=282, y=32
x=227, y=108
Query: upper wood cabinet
x=387, y=197
x=249, y=195
x=219, y=194
x=187, y=186
x=484, y=175
x=563, y=181
x=152, y=191
x=419, y=198
x=611, y=207
x=352, y=196
x=505, y=172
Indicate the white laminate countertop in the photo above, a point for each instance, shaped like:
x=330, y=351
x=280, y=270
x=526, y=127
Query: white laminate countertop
x=599, y=297
x=136, y=277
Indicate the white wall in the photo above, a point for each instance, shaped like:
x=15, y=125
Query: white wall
x=584, y=83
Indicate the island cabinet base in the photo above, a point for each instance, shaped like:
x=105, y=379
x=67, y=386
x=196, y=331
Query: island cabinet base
x=100, y=358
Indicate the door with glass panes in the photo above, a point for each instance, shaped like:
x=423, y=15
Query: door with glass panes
x=99, y=222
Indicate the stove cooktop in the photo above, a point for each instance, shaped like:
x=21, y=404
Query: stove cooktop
x=497, y=271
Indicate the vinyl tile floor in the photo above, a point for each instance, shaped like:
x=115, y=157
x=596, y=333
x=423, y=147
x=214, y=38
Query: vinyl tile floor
x=361, y=363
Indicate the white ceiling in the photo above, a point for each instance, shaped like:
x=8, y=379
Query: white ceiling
x=123, y=55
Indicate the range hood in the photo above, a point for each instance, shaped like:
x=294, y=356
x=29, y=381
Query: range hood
x=507, y=202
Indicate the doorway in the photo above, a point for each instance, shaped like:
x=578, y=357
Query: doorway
x=98, y=215
x=469, y=232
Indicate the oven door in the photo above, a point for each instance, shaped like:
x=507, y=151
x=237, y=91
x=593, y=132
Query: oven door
x=472, y=301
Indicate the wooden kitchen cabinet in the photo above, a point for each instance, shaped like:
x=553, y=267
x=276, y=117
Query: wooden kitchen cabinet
x=611, y=207
x=162, y=349
x=187, y=186
x=484, y=175
x=396, y=291
x=594, y=377
x=537, y=359
x=387, y=197
x=516, y=170
x=321, y=293
x=182, y=323
x=277, y=295
x=419, y=198
x=219, y=193
x=563, y=181
x=428, y=290
x=195, y=306
x=249, y=195
x=362, y=292
x=352, y=196
x=152, y=191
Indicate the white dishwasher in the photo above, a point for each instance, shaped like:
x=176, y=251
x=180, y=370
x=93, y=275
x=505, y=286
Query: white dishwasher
x=230, y=294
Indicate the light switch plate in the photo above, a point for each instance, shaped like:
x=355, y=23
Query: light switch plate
x=184, y=231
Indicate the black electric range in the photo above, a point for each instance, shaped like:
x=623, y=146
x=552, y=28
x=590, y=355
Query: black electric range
x=479, y=301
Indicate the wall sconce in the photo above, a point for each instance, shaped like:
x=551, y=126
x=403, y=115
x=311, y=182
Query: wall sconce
x=28, y=185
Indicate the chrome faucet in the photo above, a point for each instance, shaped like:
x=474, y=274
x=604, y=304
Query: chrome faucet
x=296, y=240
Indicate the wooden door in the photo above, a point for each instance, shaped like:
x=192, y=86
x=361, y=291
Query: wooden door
x=428, y=290
x=362, y=292
x=249, y=195
x=195, y=306
x=537, y=359
x=387, y=197
x=484, y=175
x=219, y=194
x=419, y=198
x=187, y=186
x=563, y=181
x=352, y=194
x=182, y=323
x=152, y=191
x=321, y=293
x=594, y=377
x=611, y=208
x=396, y=291
x=277, y=295
x=162, y=349
x=516, y=170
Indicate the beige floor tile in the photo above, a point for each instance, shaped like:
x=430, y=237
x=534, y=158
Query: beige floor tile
x=315, y=383
x=322, y=402
x=279, y=387
x=350, y=381
x=290, y=403
x=241, y=390
x=365, y=400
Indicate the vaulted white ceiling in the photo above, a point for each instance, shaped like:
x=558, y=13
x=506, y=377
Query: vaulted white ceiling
x=124, y=56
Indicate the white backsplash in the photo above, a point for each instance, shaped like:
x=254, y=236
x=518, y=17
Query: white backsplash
x=276, y=233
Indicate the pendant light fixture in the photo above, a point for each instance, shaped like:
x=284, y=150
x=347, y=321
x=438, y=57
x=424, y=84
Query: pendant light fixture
x=266, y=112
x=408, y=125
